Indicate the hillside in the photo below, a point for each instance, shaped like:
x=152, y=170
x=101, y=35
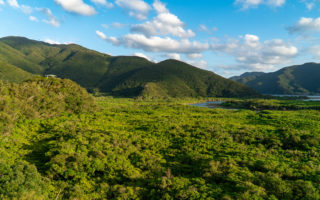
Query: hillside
x=11, y=73
x=298, y=80
x=119, y=76
x=174, y=78
x=72, y=61
x=40, y=97
x=246, y=76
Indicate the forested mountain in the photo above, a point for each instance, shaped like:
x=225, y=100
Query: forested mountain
x=298, y=79
x=247, y=76
x=12, y=73
x=120, y=76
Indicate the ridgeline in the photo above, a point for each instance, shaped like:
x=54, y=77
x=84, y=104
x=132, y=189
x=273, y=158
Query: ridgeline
x=294, y=80
x=123, y=76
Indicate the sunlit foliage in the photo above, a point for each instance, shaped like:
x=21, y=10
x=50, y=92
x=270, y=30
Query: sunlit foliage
x=160, y=149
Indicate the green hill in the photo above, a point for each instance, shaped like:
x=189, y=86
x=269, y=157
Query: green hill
x=177, y=79
x=79, y=64
x=11, y=73
x=246, y=76
x=41, y=97
x=15, y=57
x=120, y=76
x=298, y=79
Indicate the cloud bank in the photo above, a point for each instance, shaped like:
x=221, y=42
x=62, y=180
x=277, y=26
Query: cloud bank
x=252, y=54
x=77, y=6
x=246, y=4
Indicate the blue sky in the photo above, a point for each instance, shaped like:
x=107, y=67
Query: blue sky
x=228, y=37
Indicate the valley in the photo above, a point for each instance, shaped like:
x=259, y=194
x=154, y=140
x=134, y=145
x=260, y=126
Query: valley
x=159, y=100
x=75, y=146
x=142, y=130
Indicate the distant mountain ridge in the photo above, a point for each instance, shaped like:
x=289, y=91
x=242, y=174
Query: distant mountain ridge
x=294, y=80
x=247, y=75
x=127, y=76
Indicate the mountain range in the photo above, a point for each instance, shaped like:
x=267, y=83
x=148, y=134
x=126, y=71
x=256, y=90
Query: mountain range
x=293, y=80
x=129, y=76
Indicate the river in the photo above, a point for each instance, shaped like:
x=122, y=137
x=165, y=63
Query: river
x=310, y=97
x=212, y=104
x=209, y=104
x=217, y=104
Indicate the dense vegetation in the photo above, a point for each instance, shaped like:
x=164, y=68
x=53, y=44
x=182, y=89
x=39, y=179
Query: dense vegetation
x=272, y=104
x=245, y=77
x=11, y=73
x=118, y=76
x=299, y=79
x=40, y=98
x=61, y=144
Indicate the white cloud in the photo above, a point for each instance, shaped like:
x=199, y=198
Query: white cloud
x=315, y=51
x=49, y=41
x=214, y=29
x=255, y=3
x=13, y=3
x=165, y=23
x=175, y=56
x=33, y=18
x=52, y=20
x=194, y=56
x=248, y=3
x=165, y=33
x=105, y=26
x=276, y=3
x=103, y=2
x=158, y=44
x=118, y=25
x=204, y=28
x=310, y=6
x=160, y=7
x=252, y=41
x=305, y=26
x=26, y=9
x=137, y=8
x=76, y=6
x=197, y=63
x=278, y=48
x=201, y=63
x=142, y=56
x=101, y=35
x=136, y=5
x=252, y=54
